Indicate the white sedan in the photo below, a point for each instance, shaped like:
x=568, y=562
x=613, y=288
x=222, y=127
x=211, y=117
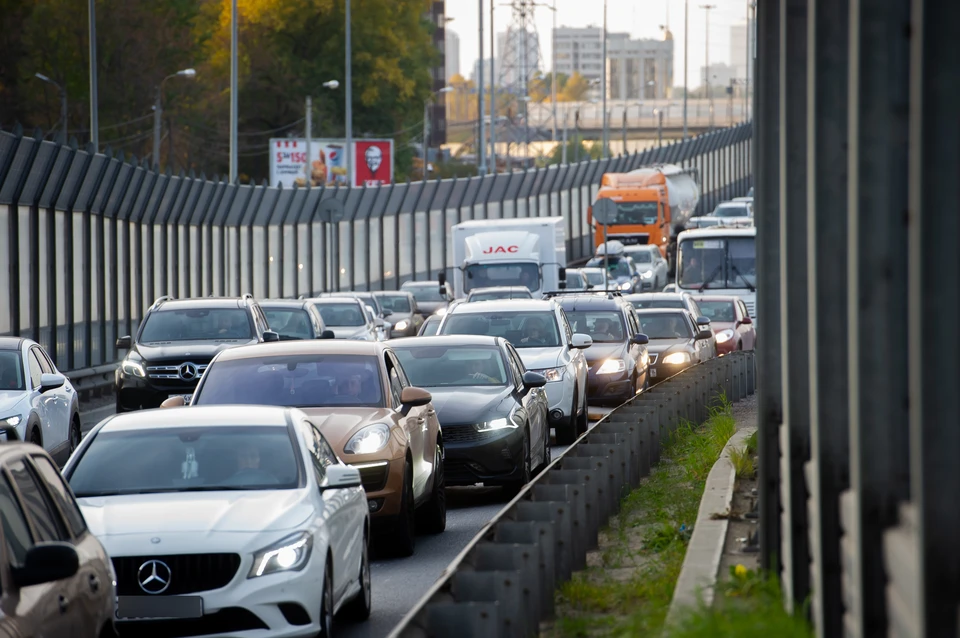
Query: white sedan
x=225, y=521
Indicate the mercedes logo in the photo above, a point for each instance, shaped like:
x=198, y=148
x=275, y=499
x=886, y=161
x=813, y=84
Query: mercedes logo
x=154, y=576
x=188, y=371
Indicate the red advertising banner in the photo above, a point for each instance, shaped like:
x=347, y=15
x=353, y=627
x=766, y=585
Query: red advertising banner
x=373, y=162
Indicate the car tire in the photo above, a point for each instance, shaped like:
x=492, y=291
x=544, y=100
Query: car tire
x=432, y=517
x=513, y=487
x=326, y=604
x=567, y=429
x=358, y=609
x=583, y=421
x=76, y=433
x=34, y=436
x=547, y=455
x=403, y=540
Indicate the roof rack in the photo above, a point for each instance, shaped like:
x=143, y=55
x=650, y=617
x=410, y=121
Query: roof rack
x=246, y=296
x=590, y=291
x=160, y=300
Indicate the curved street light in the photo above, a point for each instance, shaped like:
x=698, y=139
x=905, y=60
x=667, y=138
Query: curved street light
x=158, y=112
x=63, y=105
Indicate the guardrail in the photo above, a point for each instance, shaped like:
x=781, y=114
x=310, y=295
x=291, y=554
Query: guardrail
x=503, y=582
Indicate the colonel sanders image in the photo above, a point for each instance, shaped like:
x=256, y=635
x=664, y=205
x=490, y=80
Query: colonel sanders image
x=373, y=156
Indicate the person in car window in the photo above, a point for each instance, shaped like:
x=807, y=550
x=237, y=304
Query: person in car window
x=224, y=324
x=533, y=332
x=248, y=457
x=349, y=386
x=603, y=330
x=476, y=370
x=691, y=273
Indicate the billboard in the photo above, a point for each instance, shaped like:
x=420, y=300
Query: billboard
x=372, y=162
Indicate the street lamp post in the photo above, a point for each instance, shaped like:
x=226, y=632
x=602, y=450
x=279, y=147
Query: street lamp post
x=686, y=48
x=426, y=126
x=706, y=69
x=158, y=113
x=308, y=168
x=481, y=133
x=63, y=105
x=603, y=80
x=234, y=93
x=94, y=124
x=348, y=76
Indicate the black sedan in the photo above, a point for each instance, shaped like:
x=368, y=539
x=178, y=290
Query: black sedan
x=676, y=342
x=492, y=411
x=404, y=316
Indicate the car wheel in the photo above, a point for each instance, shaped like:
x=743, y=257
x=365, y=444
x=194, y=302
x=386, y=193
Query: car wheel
x=35, y=437
x=547, y=455
x=358, y=609
x=404, y=534
x=567, y=429
x=582, y=421
x=75, y=434
x=432, y=517
x=513, y=487
x=326, y=606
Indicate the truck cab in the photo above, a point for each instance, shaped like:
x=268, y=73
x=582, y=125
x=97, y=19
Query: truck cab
x=719, y=261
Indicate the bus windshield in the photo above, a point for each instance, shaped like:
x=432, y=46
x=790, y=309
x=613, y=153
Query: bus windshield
x=711, y=263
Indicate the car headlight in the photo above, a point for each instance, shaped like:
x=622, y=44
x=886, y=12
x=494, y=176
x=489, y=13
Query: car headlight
x=647, y=274
x=370, y=439
x=552, y=374
x=497, y=424
x=289, y=555
x=441, y=312
x=677, y=357
x=612, y=366
x=626, y=285
x=133, y=368
x=12, y=421
x=724, y=335
x=401, y=325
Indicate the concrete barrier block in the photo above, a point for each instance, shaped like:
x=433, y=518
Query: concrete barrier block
x=637, y=446
x=540, y=534
x=518, y=565
x=502, y=588
x=575, y=498
x=464, y=620
x=602, y=478
x=558, y=514
x=617, y=468
x=585, y=480
x=631, y=461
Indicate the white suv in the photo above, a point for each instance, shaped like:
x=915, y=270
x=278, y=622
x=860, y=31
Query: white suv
x=539, y=331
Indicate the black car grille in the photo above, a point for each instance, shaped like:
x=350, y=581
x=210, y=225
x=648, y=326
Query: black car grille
x=458, y=471
x=189, y=573
x=463, y=434
x=373, y=475
x=227, y=620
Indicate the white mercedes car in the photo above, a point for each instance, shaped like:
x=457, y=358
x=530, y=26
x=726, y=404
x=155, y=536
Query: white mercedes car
x=225, y=521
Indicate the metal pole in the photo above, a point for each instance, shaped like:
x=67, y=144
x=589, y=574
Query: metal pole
x=706, y=68
x=603, y=82
x=526, y=130
x=659, y=128
x=563, y=151
x=606, y=260
x=746, y=79
x=94, y=123
x=307, y=170
x=63, y=113
x=234, y=89
x=553, y=70
x=482, y=136
x=493, y=98
x=624, y=127
x=426, y=136
x=576, y=123
x=157, y=113
x=348, y=75
x=686, y=48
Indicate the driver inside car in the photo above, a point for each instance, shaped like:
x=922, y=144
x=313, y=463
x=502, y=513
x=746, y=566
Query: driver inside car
x=533, y=332
x=349, y=386
x=476, y=370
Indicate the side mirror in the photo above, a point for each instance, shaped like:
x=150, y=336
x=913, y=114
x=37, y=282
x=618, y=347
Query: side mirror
x=534, y=380
x=327, y=334
x=46, y=563
x=703, y=334
x=387, y=313
x=562, y=274
x=581, y=341
x=340, y=477
x=640, y=339
x=124, y=343
x=50, y=381
x=746, y=321
x=703, y=321
x=174, y=402
x=442, y=279
x=563, y=284
x=270, y=336
x=412, y=397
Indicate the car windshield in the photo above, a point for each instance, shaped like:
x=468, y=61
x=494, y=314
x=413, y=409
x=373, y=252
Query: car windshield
x=718, y=310
x=535, y=329
x=495, y=275
x=430, y=326
x=643, y=213
x=594, y=277
x=11, y=371
x=500, y=294
x=641, y=256
x=425, y=292
x=397, y=304
x=665, y=325
x=616, y=266
x=575, y=281
x=289, y=323
x=604, y=326
x=721, y=262
x=435, y=366
x=195, y=324
x=731, y=210
x=183, y=458
x=656, y=303
x=340, y=315
x=298, y=381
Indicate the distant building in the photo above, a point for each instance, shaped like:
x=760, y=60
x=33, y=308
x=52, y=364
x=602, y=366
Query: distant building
x=438, y=109
x=579, y=50
x=639, y=69
x=452, y=54
x=738, y=50
x=720, y=75
x=518, y=56
x=486, y=71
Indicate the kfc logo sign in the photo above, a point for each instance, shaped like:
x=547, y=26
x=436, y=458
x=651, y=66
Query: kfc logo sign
x=494, y=250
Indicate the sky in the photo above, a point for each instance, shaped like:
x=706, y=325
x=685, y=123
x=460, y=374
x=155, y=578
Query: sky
x=639, y=18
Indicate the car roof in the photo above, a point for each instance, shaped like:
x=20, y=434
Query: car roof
x=501, y=289
x=284, y=303
x=12, y=343
x=418, y=284
x=356, y=294
x=514, y=305
x=333, y=300
x=589, y=301
x=448, y=340
x=302, y=346
x=205, y=302
x=382, y=293
x=656, y=311
x=730, y=298
x=714, y=231
x=591, y=268
x=653, y=296
x=199, y=415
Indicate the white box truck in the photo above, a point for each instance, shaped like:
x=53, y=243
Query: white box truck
x=509, y=252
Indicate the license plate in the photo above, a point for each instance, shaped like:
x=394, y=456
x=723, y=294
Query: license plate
x=186, y=397
x=159, y=607
x=653, y=373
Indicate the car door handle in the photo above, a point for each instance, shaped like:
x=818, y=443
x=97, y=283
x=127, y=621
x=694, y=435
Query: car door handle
x=64, y=604
x=94, y=583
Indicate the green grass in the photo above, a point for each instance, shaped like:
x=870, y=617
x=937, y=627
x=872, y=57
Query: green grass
x=752, y=443
x=742, y=461
x=661, y=512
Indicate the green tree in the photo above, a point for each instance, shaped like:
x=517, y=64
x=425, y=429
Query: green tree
x=575, y=89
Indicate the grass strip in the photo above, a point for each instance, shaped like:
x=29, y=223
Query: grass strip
x=627, y=588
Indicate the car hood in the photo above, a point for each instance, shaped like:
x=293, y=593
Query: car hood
x=720, y=326
x=469, y=404
x=195, y=512
x=397, y=317
x=659, y=346
x=347, y=332
x=429, y=307
x=540, y=358
x=338, y=424
x=602, y=351
x=9, y=399
x=181, y=350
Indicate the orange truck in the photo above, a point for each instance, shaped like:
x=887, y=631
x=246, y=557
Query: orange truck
x=653, y=205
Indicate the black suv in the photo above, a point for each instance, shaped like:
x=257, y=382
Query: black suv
x=617, y=359
x=176, y=341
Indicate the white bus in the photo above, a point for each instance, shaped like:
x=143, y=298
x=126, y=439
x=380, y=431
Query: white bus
x=719, y=261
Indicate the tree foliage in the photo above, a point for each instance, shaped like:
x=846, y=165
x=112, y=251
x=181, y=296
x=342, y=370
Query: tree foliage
x=287, y=50
x=575, y=89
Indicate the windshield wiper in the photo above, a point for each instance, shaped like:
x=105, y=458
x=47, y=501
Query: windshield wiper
x=713, y=275
x=737, y=272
